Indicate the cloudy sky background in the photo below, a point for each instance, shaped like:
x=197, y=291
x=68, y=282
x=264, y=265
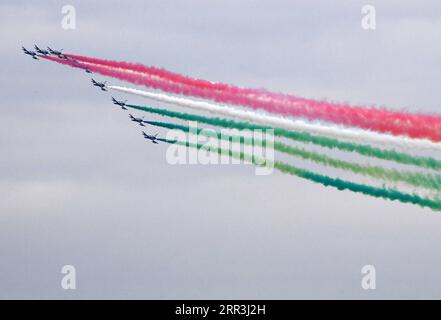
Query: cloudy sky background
x=80, y=186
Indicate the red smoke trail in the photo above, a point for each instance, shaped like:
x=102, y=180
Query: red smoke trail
x=66, y=62
x=162, y=73
x=381, y=120
x=143, y=79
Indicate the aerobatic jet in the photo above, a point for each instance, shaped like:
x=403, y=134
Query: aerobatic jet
x=59, y=54
x=31, y=53
x=55, y=52
x=153, y=139
x=40, y=51
x=101, y=85
x=87, y=71
x=119, y=103
x=140, y=121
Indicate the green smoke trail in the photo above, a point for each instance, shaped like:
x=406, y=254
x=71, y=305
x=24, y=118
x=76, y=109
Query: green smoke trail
x=330, y=143
x=415, y=179
x=389, y=194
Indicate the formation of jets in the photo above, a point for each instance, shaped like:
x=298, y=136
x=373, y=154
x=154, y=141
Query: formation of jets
x=101, y=85
x=49, y=51
x=140, y=121
x=122, y=104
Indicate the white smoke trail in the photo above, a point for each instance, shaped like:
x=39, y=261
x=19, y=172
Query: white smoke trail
x=359, y=135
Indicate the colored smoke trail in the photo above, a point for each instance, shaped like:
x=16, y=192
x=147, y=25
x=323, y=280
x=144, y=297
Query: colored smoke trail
x=65, y=62
x=122, y=75
x=381, y=120
x=415, y=179
x=324, y=141
x=388, y=194
x=306, y=129
x=298, y=125
x=366, y=150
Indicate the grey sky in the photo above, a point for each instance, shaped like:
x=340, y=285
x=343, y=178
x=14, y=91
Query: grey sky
x=80, y=186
